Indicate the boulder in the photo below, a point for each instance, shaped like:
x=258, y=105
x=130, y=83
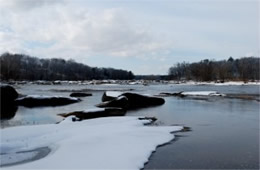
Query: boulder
x=7, y=98
x=121, y=102
x=79, y=94
x=95, y=113
x=179, y=94
x=8, y=93
x=36, y=101
x=110, y=95
x=132, y=101
x=138, y=101
x=8, y=111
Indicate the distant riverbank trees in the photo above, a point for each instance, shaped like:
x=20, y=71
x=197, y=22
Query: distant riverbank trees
x=24, y=67
x=245, y=69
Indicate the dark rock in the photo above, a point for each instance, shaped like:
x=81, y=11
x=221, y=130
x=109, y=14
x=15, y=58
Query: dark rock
x=121, y=102
x=36, y=101
x=96, y=113
x=7, y=99
x=8, y=93
x=107, y=97
x=179, y=94
x=138, y=101
x=78, y=94
x=8, y=110
x=152, y=119
x=133, y=101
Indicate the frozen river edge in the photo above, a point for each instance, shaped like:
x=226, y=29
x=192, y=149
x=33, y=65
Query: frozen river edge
x=36, y=154
x=114, y=142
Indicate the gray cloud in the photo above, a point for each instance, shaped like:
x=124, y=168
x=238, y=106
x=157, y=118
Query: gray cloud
x=106, y=32
x=28, y=4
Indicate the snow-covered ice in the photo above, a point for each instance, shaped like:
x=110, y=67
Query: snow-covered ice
x=202, y=93
x=113, y=93
x=103, y=143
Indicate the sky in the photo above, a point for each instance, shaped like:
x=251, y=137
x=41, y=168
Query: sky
x=144, y=36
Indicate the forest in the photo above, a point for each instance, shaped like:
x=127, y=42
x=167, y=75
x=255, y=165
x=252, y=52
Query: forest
x=243, y=69
x=24, y=67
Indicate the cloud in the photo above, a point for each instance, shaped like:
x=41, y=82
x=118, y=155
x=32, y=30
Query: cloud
x=90, y=31
x=82, y=32
x=27, y=4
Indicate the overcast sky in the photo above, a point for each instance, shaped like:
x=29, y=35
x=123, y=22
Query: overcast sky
x=145, y=36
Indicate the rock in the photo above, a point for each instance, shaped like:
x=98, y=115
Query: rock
x=132, y=101
x=152, y=119
x=121, y=102
x=110, y=95
x=8, y=93
x=36, y=101
x=79, y=94
x=95, y=113
x=138, y=101
x=8, y=106
x=8, y=110
x=172, y=94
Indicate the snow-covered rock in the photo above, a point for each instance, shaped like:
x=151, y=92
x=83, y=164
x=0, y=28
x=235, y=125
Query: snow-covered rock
x=37, y=100
x=96, y=113
x=129, y=100
x=110, y=95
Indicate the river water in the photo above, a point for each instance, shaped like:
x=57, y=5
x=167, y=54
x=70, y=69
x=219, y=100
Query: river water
x=224, y=131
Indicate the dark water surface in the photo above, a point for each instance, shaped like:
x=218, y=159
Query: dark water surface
x=224, y=132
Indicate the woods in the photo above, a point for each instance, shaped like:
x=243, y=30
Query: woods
x=24, y=67
x=245, y=69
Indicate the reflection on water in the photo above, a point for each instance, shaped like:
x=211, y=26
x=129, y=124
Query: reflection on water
x=225, y=131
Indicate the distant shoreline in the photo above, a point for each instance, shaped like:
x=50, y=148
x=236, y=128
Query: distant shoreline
x=128, y=82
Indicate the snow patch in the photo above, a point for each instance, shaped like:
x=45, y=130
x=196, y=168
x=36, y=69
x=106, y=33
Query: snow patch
x=41, y=97
x=113, y=93
x=202, y=93
x=104, y=143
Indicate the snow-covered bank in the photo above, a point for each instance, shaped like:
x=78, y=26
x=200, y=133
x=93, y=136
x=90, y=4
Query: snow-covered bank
x=228, y=83
x=104, y=143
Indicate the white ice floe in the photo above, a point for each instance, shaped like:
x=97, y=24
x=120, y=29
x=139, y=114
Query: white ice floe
x=202, y=93
x=104, y=143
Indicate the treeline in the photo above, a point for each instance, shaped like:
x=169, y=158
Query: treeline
x=24, y=67
x=244, y=69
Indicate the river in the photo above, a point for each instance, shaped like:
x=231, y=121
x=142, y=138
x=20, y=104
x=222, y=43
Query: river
x=224, y=132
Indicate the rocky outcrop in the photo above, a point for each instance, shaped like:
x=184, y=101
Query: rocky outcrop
x=179, y=94
x=120, y=102
x=37, y=101
x=110, y=95
x=131, y=101
x=79, y=94
x=8, y=106
x=95, y=113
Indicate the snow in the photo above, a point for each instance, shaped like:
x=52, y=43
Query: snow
x=228, y=83
x=113, y=93
x=46, y=97
x=94, y=110
x=110, y=84
x=202, y=93
x=104, y=143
